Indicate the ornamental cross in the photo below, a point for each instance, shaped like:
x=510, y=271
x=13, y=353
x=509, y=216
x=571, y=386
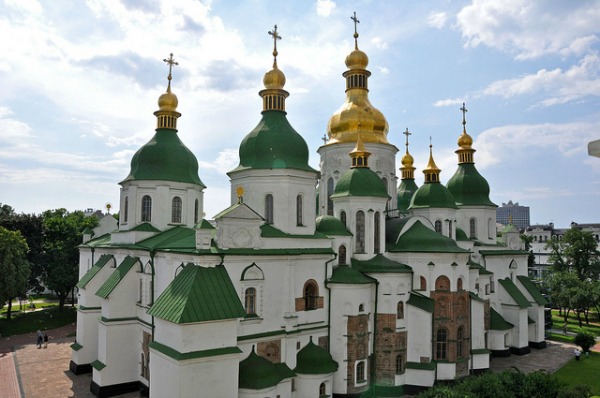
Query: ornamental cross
x=464, y=111
x=275, y=38
x=356, y=21
x=171, y=62
x=324, y=139
x=407, y=133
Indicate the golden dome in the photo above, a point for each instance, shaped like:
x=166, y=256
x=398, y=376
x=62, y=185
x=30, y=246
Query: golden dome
x=357, y=59
x=465, y=140
x=168, y=101
x=431, y=167
x=274, y=79
x=407, y=160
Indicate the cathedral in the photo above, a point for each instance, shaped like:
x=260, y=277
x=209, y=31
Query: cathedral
x=338, y=282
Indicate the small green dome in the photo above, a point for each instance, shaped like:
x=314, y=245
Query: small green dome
x=165, y=158
x=419, y=238
x=360, y=181
x=257, y=373
x=433, y=195
x=314, y=360
x=469, y=187
x=406, y=190
x=273, y=144
x=330, y=225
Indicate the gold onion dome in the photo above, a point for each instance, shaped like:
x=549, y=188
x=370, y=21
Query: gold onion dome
x=407, y=160
x=274, y=79
x=357, y=110
x=168, y=101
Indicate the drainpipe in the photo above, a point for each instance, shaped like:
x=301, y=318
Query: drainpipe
x=374, y=362
x=328, y=304
x=152, y=254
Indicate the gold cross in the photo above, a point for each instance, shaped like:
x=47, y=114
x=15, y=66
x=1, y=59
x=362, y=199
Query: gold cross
x=275, y=38
x=171, y=62
x=356, y=21
x=407, y=133
x=464, y=111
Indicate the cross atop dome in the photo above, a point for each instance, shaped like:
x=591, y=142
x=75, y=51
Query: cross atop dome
x=275, y=38
x=171, y=62
x=356, y=22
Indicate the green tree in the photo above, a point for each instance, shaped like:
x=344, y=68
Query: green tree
x=14, y=268
x=585, y=340
x=62, y=236
x=527, y=240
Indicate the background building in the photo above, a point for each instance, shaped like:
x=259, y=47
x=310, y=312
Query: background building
x=513, y=213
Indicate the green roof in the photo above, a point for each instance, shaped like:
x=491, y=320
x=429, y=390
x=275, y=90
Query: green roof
x=273, y=144
x=380, y=264
x=509, y=228
x=344, y=274
x=532, y=289
x=182, y=356
x=198, y=294
x=101, y=240
x=419, y=238
x=94, y=270
x=117, y=276
x=420, y=301
x=497, y=322
x=461, y=235
x=173, y=238
x=269, y=231
x=514, y=292
x=331, y=226
x=469, y=187
x=145, y=227
x=257, y=373
x=433, y=195
x=479, y=267
x=314, y=360
x=204, y=224
x=165, y=158
x=360, y=181
x=503, y=252
x=475, y=297
x=406, y=190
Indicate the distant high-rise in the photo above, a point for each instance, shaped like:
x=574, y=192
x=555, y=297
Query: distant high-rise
x=514, y=214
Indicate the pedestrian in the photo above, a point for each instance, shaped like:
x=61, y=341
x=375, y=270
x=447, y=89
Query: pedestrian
x=577, y=354
x=45, y=340
x=40, y=339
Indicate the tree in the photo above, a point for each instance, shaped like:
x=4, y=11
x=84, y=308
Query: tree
x=14, y=269
x=585, y=340
x=62, y=236
x=527, y=240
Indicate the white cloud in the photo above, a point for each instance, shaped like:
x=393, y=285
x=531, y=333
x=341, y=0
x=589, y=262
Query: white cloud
x=437, y=19
x=448, y=102
x=325, y=7
x=226, y=161
x=379, y=43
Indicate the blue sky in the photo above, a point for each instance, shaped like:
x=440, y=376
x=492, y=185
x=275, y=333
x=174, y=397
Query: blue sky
x=80, y=81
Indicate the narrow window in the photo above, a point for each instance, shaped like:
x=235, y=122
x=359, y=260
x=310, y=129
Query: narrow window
x=250, y=301
x=310, y=296
x=269, y=208
x=343, y=217
x=459, y=284
x=176, y=207
x=146, y=208
x=360, y=231
x=360, y=372
x=329, y=193
x=322, y=390
x=441, y=344
x=438, y=226
x=361, y=308
x=472, y=228
x=342, y=255
x=196, y=211
x=399, y=365
x=423, y=283
x=299, y=210
x=460, y=341
x=376, y=236
x=400, y=310
x=126, y=209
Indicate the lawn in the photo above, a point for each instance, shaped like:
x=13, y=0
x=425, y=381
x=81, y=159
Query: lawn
x=585, y=371
x=26, y=322
x=573, y=324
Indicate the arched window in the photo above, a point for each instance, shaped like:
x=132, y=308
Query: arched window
x=460, y=336
x=329, y=193
x=400, y=310
x=299, y=210
x=438, y=226
x=250, y=301
x=399, y=364
x=376, y=235
x=125, y=210
x=269, y=208
x=491, y=232
x=361, y=308
x=322, y=390
x=343, y=218
x=311, y=294
x=342, y=255
x=360, y=232
x=459, y=284
x=196, y=211
x=472, y=228
x=423, y=283
x=442, y=283
x=176, y=210
x=360, y=372
x=146, y=208
x=441, y=344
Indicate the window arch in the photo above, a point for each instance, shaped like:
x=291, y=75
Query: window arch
x=329, y=193
x=299, y=210
x=423, y=283
x=441, y=344
x=250, y=301
x=460, y=336
x=196, y=211
x=442, y=283
x=146, y=208
x=438, y=226
x=311, y=294
x=343, y=217
x=360, y=372
x=269, y=208
x=361, y=308
x=342, y=255
x=459, y=284
x=491, y=233
x=472, y=228
x=400, y=310
x=399, y=364
x=376, y=234
x=360, y=232
x=126, y=209
x=176, y=208
x=322, y=389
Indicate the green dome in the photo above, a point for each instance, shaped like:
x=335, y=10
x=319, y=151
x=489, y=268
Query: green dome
x=469, y=187
x=314, y=360
x=406, y=191
x=273, y=144
x=165, y=158
x=419, y=238
x=257, y=373
x=433, y=195
x=330, y=225
x=360, y=181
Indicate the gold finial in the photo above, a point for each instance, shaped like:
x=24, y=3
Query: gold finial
x=356, y=21
x=432, y=172
x=240, y=193
x=275, y=38
x=171, y=62
x=359, y=154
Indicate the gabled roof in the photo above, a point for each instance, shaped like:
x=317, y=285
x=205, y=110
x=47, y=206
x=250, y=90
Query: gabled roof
x=204, y=224
x=532, y=289
x=117, y=276
x=314, y=360
x=419, y=238
x=497, y=322
x=482, y=271
x=240, y=210
x=101, y=240
x=345, y=274
x=174, y=238
x=420, y=301
x=198, y=294
x=145, y=227
x=514, y=292
x=257, y=373
x=380, y=264
x=331, y=226
x=269, y=231
x=94, y=270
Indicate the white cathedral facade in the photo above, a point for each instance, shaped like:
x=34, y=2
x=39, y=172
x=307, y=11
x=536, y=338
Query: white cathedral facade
x=361, y=287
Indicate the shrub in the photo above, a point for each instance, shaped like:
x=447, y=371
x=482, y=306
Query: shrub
x=585, y=340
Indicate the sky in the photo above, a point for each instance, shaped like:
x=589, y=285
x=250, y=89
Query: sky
x=80, y=81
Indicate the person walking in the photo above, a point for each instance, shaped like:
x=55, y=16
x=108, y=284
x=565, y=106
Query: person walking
x=40, y=339
x=45, y=340
x=577, y=354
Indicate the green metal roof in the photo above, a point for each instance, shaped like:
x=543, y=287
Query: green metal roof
x=269, y=231
x=94, y=270
x=514, y=292
x=331, y=226
x=257, y=373
x=497, y=322
x=380, y=264
x=204, y=224
x=532, y=289
x=420, y=301
x=314, y=360
x=198, y=294
x=419, y=238
x=360, y=181
x=479, y=267
x=503, y=252
x=475, y=297
x=344, y=274
x=173, y=238
x=145, y=227
x=165, y=158
x=469, y=187
x=117, y=276
x=273, y=144
x=406, y=190
x=101, y=240
x=461, y=235
x=433, y=195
